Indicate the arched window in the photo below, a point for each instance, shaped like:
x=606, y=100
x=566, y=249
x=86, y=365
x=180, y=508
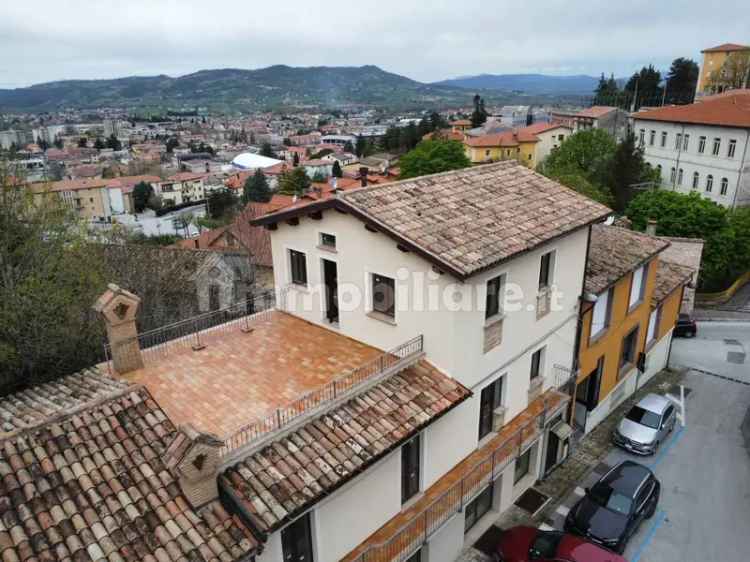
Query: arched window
x=679, y=177
x=696, y=179
x=658, y=169
x=724, y=186
x=709, y=183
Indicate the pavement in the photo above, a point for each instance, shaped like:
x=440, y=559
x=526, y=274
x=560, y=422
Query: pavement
x=736, y=309
x=720, y=348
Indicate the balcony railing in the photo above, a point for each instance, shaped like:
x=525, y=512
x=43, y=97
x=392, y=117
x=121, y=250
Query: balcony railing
x=339, y=389
x=410, y=537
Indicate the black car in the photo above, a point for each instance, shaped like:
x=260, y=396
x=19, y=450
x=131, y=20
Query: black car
x=613, y=508
x=686, y=327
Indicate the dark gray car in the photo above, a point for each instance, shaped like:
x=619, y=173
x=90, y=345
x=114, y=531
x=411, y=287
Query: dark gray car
x=646, y=425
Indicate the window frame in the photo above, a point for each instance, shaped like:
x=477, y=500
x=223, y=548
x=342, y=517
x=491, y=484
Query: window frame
x=494, y=297
x=388, y=311
x=322, y=240
x=696, y=180
x=549, y=270
x=652, y=330
x=411, y=468
x=678, y=141
x=724, y=186
x=308, y=539
x=680, y=176
x=490, y=398
x=294, y=273
x=701, y=144
x=624, y=362
x=717, y=146
x=732, y=148
x=644, y=269
x=651, y=137
x=609, y=297
x=685, y=142
x=709, y=183
x=522, y=459
x=536, y=367
x=664, y=136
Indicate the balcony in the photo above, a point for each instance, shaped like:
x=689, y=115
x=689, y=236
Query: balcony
x=411, y=528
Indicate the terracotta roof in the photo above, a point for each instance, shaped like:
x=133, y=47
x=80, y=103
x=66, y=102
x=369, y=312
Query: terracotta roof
x=596, y=111
x=74, y=185
x=669, y=276
x=185, y=176
x=127, y=183
x=447, y=134
x=538, y=128
x=506, y=138
x=731, y=110
x=91, y=485
x=470, y=220
x=461, y=122
x=614, y=252
x=284, y=478
x=726, y=48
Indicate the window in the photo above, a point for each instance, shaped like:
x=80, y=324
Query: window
x=601, y=314
x=296, y=541
x=638, y=285
x=495, y=292
x=383, y=295
x=642, y=137
x=679, y=177
x=663, y=139
x=627, y=352
x=487, y=152
x=560, y=138
x=672, y=175
x=732, y=148
x=214, y=297
x=701, y=145
x=717, y=146
x=678, y=141
x=546, y=268
x=724, y=186
x=587, y=393
x=685, y=141
x=523, y=464
x=653, y=325
x=658, y=168
x=477, y=507
x=298, y=267
x=696, y=180
x=410, y=453
x=709, y=183
x=416, y=557
x=651, y=137
x=327, y=240
x=490, y=398
x=537, y=363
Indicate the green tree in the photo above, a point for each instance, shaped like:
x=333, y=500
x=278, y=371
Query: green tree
x=336, y=170
x=479, y=115
x=221, y=204
x=628, y=168
x=50, y=278
x=267, y=151
x=319, y=177
x=361, y=147
x=644, y=86
x=294, y=182
x=433, y=156
x=141, y=194
x=348, y=147
x=586, y=152
x=256, y=189
x=83, y=142
x=58, y=142
x=113, y=142
x=172, y=143
x=607, y=91
x=99, y=144
x=682, y=79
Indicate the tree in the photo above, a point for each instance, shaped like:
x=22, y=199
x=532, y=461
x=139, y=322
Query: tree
x=294, y=182
x=113, y=142
x=644, y=87
x=348, y=147
x=267, y=151
x=256, y=189
x=83, y=142
x=50, y=278
x=141, y=194
x=682, y=79
x=607, y=91
x=99, y=144
x=479, y=115
x=361, y=147
x=336, y=171
x=43, y=144
x=295, y=159
x=221, y=204
x=433, y=156
x=628, y=168
x=58, y=142
x=734, y=73
x=319, y=177
x=172, y=143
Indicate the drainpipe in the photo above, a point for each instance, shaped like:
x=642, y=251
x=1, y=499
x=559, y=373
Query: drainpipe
x=742, y=167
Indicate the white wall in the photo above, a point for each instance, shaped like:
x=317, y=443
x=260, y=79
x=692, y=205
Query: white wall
x=272, y=551
x=446, y=545
x=116, y=202
x=624, y=388
x=656, y=359
x=449, y=440
x=549, y=140
x=690, y=161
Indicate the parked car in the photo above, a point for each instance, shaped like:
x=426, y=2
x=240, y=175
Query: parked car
x=613, y=508
x=646, y=425
x=524, y=544
x=686, y=327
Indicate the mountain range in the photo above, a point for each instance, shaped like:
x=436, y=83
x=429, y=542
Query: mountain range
x=283, y=86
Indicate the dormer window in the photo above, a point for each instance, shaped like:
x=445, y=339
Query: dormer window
x=328, y=240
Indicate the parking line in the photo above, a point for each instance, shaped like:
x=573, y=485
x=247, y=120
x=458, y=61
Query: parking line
x=666, y=449
x=651, y=532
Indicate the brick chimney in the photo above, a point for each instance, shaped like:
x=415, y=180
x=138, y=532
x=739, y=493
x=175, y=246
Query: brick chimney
x=651, y=227
x=194, y=457
x=119, y=308
x=363, y=171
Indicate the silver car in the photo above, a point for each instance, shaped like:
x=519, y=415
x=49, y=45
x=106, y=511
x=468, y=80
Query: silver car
x=646, y=425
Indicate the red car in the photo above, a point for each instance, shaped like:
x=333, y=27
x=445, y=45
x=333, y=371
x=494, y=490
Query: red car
x=526, y=544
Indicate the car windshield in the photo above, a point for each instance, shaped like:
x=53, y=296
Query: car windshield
x=644, y=417
x=545, y=544
x=611, y=499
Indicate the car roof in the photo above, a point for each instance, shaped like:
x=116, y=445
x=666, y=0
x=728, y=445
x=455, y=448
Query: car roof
x=653, y=403
x=626, y=477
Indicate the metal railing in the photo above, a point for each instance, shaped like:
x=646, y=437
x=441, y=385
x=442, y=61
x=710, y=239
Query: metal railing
x=410, y=537
x=191, y=332
x=339, y=388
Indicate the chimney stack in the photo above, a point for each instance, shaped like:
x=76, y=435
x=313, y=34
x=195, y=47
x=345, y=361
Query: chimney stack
x=651, y=227
x=119, y=308
x=194, y=456
x=363, y=171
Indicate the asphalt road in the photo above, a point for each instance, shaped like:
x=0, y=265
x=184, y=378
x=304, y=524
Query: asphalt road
x=720, y=347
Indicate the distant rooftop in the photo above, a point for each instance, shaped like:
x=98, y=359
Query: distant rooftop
x=730, y=109
x=727, y=48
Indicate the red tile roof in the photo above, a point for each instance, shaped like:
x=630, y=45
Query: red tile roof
x=74, y=185
x=669, y=276
x=186, y=176
x=596, y=111
x=504, y=139
x=286, y=477
x=731, y=110
x=727, y=48
x=538, y=128
x=127, y=183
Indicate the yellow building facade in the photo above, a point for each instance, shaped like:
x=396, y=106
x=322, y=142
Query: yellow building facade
x=709, y=79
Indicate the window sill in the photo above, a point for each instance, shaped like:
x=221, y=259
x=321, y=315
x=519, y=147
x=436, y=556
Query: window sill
x=635, y=305
x=382, y=317
x=412, y=500
x=299, y=287
x=495, y=319
x=593, y=340
x=329, y=249
x=624, y=370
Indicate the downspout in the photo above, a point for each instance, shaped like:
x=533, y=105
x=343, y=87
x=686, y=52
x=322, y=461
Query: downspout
x=742, y=167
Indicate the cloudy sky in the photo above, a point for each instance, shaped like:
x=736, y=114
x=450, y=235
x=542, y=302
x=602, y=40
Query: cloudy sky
x=425, y=40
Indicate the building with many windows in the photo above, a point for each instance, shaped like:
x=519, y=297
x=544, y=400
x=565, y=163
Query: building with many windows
x=716, y=75
x=702, y=147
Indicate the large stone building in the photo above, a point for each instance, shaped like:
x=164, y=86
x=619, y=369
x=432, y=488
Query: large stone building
x=717, y=73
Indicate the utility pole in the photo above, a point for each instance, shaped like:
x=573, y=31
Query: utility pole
x=635, y=97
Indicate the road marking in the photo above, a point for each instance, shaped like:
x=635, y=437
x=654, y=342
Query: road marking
x=545, y=527
x=717, y=375
x=579, y=491
x=662, y=515
x=562, y=510
x=664, y=450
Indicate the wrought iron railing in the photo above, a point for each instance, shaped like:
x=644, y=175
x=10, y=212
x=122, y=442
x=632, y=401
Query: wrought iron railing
x=340, y=388
x=191, y=332
x=410, y=537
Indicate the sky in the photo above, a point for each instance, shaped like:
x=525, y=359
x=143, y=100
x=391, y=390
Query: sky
x=426, y=40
